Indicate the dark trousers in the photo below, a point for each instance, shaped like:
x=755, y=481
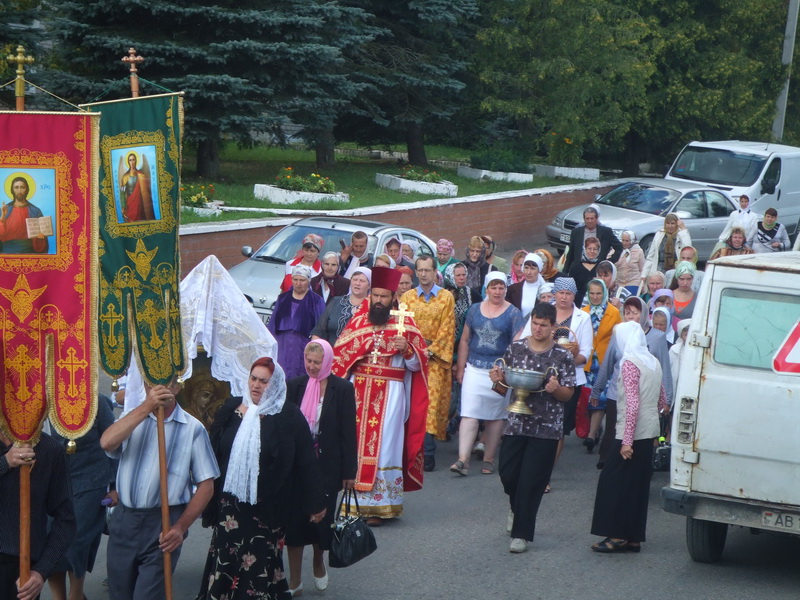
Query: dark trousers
x=136, y=571
x=9, y=573
x=610, y=431
x=429, y=445
x=570, y=409
x=525, y=467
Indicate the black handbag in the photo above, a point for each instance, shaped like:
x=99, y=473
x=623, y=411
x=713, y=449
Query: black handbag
x=352, y=537
x=662, y=452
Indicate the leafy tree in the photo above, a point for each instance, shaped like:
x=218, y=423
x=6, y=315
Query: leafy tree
x=247, y=67
x=641, y=77
x=718, y=74
x=571, y=73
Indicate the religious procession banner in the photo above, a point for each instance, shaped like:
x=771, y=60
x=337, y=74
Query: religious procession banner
x=48, y=241
x=140, y=154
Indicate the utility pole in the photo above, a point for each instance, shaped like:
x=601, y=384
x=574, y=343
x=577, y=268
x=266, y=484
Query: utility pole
x=788, y=51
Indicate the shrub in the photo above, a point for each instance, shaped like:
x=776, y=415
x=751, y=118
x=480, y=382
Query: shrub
x=501, y=159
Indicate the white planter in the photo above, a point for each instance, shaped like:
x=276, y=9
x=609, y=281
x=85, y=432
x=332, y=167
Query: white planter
x=471, y=173
x=393, y=182
x=280, y=196
x=586, y=173
x=207, y=211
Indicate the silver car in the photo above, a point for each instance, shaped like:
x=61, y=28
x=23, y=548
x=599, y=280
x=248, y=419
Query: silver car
x=260, y=276
x=640, y=205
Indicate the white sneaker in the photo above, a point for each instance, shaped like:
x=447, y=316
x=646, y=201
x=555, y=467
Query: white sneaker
x=510, y=521
x=518, y=545
x=479, y=449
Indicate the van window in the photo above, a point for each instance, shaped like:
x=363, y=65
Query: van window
x=714, y=165
x=751, y=325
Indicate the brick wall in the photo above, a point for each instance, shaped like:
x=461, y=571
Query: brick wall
x=513, y=219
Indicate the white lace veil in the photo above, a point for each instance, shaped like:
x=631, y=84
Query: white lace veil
x=243, y=465
x=217, y=316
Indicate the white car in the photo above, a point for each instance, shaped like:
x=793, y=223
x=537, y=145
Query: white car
x=640, y=205
x=260, y=276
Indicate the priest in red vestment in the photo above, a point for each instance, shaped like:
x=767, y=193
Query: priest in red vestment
x=388, y=367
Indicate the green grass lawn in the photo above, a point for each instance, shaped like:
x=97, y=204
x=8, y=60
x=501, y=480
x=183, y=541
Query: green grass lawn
x=241, y=169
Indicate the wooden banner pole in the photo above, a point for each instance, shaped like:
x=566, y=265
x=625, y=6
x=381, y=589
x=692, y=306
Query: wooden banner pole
x=165, y=524
x=24, y=470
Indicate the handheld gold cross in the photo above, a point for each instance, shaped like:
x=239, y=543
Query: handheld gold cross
x=401, y=313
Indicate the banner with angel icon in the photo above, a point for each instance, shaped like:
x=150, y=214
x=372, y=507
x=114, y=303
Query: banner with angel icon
x=140, y=155
x=48, y=281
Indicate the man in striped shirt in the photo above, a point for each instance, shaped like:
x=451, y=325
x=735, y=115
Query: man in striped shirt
x=135, y=539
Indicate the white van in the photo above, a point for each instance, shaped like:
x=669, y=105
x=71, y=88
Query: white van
x=769, y=174
x=736, y=424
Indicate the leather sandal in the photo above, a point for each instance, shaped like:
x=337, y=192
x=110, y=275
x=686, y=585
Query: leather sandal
x=488, y=467
x=458, y=467
x=609, y=545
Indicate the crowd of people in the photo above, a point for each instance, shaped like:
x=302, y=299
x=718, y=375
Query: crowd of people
x=380, y=355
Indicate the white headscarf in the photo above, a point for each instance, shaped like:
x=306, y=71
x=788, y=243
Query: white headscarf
x=535, y=259
x=631, y=342
x=494, y=276
x=243, y=465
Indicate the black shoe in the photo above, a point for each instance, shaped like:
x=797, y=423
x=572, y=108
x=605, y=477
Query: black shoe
x=589, y=443
x=600, y=465
x=430, y=463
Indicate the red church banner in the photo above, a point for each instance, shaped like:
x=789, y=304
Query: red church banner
x=48, y=253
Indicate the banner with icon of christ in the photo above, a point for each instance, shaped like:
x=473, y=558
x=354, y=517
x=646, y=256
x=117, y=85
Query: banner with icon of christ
x=140, y=148
x=48, y=241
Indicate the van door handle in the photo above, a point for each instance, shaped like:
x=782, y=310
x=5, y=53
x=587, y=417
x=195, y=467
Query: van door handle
x=779, y=195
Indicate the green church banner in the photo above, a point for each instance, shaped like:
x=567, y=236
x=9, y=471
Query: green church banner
x=140, y=157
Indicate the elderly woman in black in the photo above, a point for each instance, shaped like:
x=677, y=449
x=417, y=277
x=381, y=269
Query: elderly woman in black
x=328, y=403
x=623, y=490
x=268, y=469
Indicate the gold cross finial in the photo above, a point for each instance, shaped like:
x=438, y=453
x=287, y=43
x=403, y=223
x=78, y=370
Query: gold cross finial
x=401, y=313
x=19, y=86
x=133, y=59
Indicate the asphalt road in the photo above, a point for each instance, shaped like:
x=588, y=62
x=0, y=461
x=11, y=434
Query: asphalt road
x=451, y=544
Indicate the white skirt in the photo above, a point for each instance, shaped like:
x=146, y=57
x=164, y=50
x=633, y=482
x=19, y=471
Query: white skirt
x=478, y=400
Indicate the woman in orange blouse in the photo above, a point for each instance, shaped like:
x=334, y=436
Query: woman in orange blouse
x=604, y=316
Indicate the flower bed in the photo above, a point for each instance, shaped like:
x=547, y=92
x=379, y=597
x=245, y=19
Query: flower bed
x=405, y=186
x=280, y=196
x=472, y=173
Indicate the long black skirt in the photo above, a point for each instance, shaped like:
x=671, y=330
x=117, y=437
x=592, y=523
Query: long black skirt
x=302, y=532
x=245, y=560
x=623, y=493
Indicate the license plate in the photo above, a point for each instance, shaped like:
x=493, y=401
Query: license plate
x=265, y=317
x=565, y=237
x=789, y=522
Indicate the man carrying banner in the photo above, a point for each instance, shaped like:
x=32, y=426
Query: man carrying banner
x=50, y=496
x=385, y=355
x=135, y=541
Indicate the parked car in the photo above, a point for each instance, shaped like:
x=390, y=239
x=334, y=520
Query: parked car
x=640, y=205
x=259, y=277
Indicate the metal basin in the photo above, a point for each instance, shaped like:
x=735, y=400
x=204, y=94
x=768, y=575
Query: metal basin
x=524, y=379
